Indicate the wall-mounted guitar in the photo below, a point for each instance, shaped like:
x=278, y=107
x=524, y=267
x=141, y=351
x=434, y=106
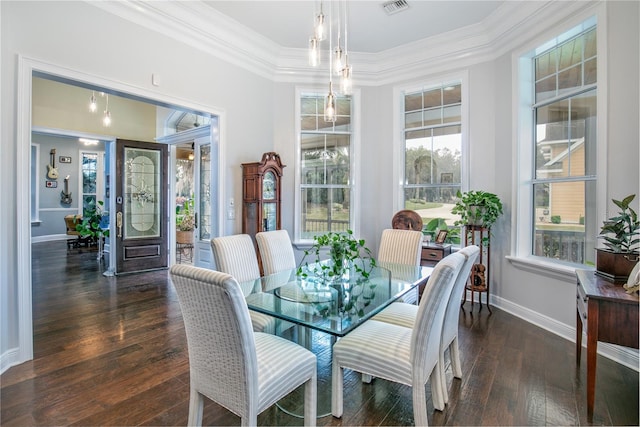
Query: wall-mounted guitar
x=52, y=172
x=65, y=196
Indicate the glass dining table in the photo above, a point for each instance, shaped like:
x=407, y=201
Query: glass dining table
x=317, y=301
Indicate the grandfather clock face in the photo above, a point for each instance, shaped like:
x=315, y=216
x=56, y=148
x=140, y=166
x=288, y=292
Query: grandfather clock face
x=269, y=186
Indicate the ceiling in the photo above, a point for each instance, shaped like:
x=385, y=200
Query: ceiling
x=370, y=28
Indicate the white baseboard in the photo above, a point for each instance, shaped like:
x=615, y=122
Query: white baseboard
x=9, y=358
x=51, y=238
x=623, y=355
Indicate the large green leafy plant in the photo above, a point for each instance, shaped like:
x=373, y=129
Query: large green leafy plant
x=345, y=251
x=477, y=208
x=620, y=233
x=94, y=222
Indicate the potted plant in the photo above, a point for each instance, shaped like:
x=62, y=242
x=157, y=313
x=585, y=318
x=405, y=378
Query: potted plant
x=621, y=238
x=345, y=251
x=95, y=223
x=185, y=222
x=477, y=208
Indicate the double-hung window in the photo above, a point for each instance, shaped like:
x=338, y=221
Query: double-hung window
x=325, y=199
x=562, y=185
x=432, y=150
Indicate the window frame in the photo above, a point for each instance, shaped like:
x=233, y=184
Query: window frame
x=522, y=237
x=399, y=93
x=355, y=168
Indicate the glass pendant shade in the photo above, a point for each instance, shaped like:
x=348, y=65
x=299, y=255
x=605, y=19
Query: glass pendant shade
x=338, y=62
x=330, y=105
x=106, y=121
x=319, y=27
x=346, y=80
x=93, y=105
x=314, y=52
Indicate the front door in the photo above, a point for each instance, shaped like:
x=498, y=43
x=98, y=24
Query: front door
x=141, y=206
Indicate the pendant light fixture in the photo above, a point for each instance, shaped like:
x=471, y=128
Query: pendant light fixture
x=106, y=121
x=93, y=104
x=338, y=57
x=337, y=51
x=330, y=99
x=318, y=30
x=346, y=70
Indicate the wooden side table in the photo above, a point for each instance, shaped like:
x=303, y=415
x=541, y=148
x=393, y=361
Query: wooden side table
x=609, y=315
x=434, y=252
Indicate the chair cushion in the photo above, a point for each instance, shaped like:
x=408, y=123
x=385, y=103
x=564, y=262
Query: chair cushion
x=399, y=313
x=282, y=365
x=378, y=349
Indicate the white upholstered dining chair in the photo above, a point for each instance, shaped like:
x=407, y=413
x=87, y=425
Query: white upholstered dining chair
x=395, y=353
x=405, y=315
x=276, y=251
x=236, y=255
x=401, y=247
x=229, y=363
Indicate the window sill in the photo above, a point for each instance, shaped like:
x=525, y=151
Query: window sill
x=553, y=270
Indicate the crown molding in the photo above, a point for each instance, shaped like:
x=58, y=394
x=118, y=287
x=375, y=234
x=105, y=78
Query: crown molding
x=202, y=27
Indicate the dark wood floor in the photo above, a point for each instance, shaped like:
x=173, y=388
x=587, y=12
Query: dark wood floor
x=112, y=351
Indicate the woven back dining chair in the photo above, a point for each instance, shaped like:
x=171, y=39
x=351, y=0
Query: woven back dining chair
x=405, y=315
x=242, y=370
x=236, y=255
x=396, y=353
x=275, y=251
x=401, y=247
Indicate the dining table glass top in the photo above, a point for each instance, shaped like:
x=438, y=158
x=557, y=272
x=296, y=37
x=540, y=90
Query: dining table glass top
x=310, y=297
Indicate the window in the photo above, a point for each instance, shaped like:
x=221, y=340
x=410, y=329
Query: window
x=91, y=172
x=563, y=148
x=432, y=150
x=326, y=168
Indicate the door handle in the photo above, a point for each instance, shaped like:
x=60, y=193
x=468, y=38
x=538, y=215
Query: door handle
x=195, y=220
x=119, y=223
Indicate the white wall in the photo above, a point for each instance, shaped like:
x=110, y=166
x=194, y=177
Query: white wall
x=258, y=116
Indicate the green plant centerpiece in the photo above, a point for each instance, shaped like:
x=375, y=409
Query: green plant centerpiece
x=621, y=238
x=347, y=270
x=478, y=208
x=94, y=224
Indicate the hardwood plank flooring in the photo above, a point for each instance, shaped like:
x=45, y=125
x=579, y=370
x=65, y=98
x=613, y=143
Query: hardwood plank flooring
x=112, y=351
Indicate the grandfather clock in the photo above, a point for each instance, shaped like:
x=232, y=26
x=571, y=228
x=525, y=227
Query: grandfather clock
x=261, y=194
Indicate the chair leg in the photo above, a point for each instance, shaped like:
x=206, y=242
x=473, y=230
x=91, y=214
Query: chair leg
x=436, y=388
x=311, y=401
x=196, y=404
x=336, y=389
x=420, y=405
x=454, y=353
x=443, y=377
x=250, y=419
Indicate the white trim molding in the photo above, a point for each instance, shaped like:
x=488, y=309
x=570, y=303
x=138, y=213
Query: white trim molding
x=204, y=28
x=625, y=356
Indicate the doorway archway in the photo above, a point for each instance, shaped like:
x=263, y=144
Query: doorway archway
x=27, y=69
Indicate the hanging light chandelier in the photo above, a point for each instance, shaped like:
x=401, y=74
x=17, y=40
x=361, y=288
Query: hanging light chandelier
x=338, y=56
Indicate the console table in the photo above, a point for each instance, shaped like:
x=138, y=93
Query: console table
x=608, y=314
